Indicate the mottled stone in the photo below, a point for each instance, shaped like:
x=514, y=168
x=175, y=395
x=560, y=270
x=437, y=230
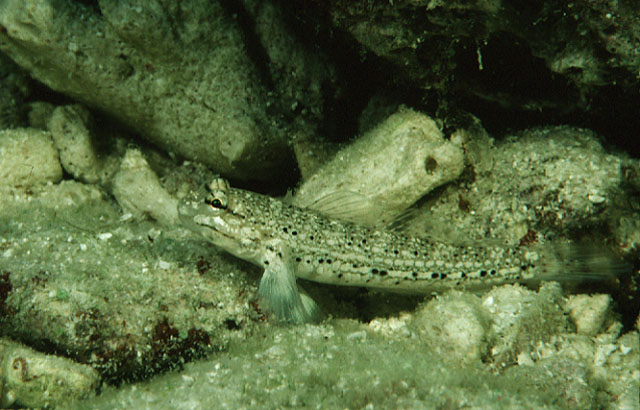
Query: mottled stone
x=28, y=157
x=455, y=326
x=589, y=312
x=138, y=190
x=79, y=155
x=390, y=167
x=33, y=379
x=192, y=90
x=127, y=296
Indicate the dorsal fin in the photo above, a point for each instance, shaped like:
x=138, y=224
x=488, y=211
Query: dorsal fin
x=346, y=206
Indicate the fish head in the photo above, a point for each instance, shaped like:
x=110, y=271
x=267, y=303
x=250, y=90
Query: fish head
x=218, y=213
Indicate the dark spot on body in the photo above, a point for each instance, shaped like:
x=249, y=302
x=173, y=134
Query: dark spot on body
x=396, y=251
x=311, y=237
x=443, y=276
x=414, y=274
x=492, y=272
x=483, y=273
x=320, y=260
x=383, y=273
x=294, y=233
x=463, y=275
x=523, y=267
x=340, y=275
x=374, y=271
x=415, y=253
x=266, y=262
x=435, y=275
x=298, y=259
x=329, y=261
x=364, y=241
x=285, y=230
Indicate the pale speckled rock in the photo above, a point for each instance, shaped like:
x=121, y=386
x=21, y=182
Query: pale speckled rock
x=611, y=361
x=394, y=164
x=124, y=295
x=522, y=318
x=543, y=180
x=33, y=379
x=454, y=326
x=138, y=190
x=589, y=312
x=189, y=87
x=27, y=158
x=622, y=371
x=70, y=129
x=322, y=367
x=393, y=326
x=346, y=364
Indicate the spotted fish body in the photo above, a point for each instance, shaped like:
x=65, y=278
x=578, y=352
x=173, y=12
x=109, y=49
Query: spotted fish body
x=291, y=242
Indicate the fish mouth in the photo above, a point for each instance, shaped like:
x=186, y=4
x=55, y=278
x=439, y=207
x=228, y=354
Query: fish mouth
x=212, y=229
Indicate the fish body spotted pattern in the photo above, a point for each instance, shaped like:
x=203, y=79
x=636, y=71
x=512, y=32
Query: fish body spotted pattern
x=291, y=242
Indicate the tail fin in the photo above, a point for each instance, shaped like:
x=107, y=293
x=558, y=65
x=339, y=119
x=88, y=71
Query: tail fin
x=579, y=262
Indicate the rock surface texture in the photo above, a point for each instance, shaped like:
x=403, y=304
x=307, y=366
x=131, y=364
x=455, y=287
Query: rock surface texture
x=179, y=74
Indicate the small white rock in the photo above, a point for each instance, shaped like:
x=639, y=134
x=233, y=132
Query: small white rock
x=589, y=312
x=595, y=198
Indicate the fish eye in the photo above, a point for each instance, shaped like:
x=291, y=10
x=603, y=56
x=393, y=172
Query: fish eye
x=217, y=201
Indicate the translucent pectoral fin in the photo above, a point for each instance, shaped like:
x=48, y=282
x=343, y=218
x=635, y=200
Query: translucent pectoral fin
x=280, y=296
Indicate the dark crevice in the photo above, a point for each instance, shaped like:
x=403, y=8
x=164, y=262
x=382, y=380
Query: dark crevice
x=252, y=43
